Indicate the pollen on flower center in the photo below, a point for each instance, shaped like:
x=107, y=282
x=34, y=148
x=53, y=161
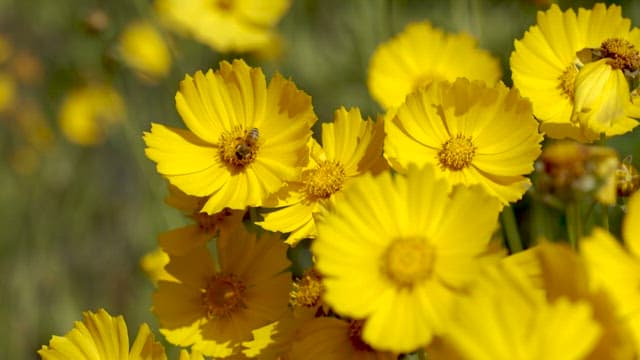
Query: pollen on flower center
x=327, y=179
x=567, y=81
x=355, y=336
x=456, y=153
x=622, y=54
x=239, y=147
x=307, y=290
x=408, y=260
x=222, y=296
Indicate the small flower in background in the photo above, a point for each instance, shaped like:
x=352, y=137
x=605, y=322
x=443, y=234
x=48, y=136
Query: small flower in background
x=143, y=48
x=244, y=139
x=627, y=178
x=568, y=170
x=217, y=303
x=101, y=336
x=579, y=72
x=473, y=133
x=225, y=25
x=396, y=250
x=350, y=147
x=88, y=113
x=8, y=90
x=204, y=228
x=421, y=54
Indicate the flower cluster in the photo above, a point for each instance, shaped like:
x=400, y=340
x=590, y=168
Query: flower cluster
x=407, y=217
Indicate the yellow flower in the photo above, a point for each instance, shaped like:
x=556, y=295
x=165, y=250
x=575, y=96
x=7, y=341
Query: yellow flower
x=143, y=48
x=573, y=70
x=421, y=54
x=245, y=138
x=204, y=227
x=153, y=264
x=101, y=336
x=87, y=113
x=616, y=268
x=8, y=92
x=506, y=317
x=395, y=250
x=261, y=340
x=341, y=338
x=351, y=146
x=474, y=133
x=219, y=302
x=225, y=25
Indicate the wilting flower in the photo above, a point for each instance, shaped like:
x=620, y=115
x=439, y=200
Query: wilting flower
x=421, y=54
x=395, y=250
x=475, y=134
x=350, y=147
x=143, y=49
x=87, y=113
x=225, y=25
x=101, y=336
x=244, y=139
x=221, y=301
x=580, y=72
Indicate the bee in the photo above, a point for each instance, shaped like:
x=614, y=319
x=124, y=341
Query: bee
x=244, y=149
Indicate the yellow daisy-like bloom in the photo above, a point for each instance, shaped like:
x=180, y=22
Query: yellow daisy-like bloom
x=421, y=54
x=204, y=227
x=101, y=336
x=572, y=68
x=351, y=146
x=144, y=49
x=225, y=25
x=341, y=338
x=395, y=250
x=221, y=301
x=505, y=317
x=475, y=135
x=153, y=263
x=87, y=113
x=616, y=268
x=245, y=138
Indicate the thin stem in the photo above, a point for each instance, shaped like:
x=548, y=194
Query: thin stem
x=574, y=223
x=510, y=227
x=605, y=217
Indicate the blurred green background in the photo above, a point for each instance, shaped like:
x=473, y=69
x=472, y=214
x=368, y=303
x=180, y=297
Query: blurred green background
x=76, y=219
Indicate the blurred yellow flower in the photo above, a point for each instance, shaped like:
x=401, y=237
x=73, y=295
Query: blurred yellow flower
x=225, y=25
x=101, y=336
x=397, y=248
x=244, y=139
x=505, y=317
x=153, y=264
x=421, y=54
x=204, y=227
x=144, y=49
x=8, y=90
x=351, y=146
x=219, y=302
x=576, y=71
x=87, y=113
x=475, y=134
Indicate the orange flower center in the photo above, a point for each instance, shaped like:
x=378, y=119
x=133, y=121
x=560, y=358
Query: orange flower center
x=307, y=291
x=456, y=153
x=223, y=5
x=222, y=296
x=327, y=179
x=239, y=147
x=355, y=336
x=567, y=81
x=408, y=261
x=209, y=223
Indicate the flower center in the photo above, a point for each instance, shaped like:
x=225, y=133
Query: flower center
x=327, y=179
x=239, y=147
x=621, y=54
x=222, y=296
x=223, y=5
x=355, y=336
x=307, y=290
x=209, y=223
x=408, y=261
x=456, y=153
x=567, y=81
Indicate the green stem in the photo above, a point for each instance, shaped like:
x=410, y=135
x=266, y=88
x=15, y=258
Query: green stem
x=421, y=354
x=605, y=217
x=574, y=223
x=510, y=227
